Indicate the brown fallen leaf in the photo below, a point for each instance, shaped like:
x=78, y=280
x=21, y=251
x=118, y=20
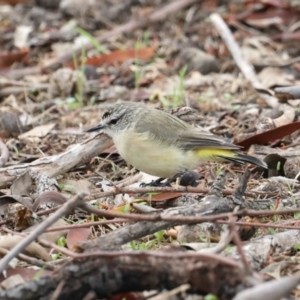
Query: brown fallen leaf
x=38, y=131
x=270, y=135
x=22, y=185
x=34, y=249
x=10, y=125
x=7, y=59
x=120, y=56
x=77, y=235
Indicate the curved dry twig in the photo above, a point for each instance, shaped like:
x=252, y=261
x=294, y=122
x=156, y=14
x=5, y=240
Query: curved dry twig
x=244, y=66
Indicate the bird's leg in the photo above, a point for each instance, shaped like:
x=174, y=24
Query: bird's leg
x=156, y=182
x=171, y=179
x=188, y=178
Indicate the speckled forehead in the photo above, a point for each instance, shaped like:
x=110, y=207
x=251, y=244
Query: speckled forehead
x=115, y=112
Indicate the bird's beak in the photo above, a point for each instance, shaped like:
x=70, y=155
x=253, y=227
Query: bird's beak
x=96, y=128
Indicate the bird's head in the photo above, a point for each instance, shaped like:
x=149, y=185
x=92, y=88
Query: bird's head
x=119, y=118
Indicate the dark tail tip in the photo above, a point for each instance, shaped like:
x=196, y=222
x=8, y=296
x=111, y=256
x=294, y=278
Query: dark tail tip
x=251, y=159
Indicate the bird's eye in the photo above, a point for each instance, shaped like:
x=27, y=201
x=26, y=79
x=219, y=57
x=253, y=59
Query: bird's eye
x=105, y=115
x=113, y=121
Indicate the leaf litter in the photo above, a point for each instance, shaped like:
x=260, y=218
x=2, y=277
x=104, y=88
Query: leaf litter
x=65, y=64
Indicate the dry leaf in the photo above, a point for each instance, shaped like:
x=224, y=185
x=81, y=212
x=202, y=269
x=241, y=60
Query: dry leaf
x=21, y=185
x=77, y=235
x=271, y=76
x=39, y=131
x=75, y=186
x=34, y=249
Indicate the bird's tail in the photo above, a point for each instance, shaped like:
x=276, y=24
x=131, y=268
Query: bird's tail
x=244, y=158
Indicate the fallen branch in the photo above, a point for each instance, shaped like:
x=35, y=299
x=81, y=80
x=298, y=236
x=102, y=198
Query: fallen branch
x=106, y=277
x=52, y=166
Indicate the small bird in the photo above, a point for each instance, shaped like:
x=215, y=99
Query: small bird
x=160, y=144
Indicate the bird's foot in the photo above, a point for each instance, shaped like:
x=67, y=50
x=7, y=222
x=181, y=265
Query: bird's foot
x=189, y=178
x=157, y=182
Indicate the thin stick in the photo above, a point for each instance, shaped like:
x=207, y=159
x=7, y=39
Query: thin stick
x=246, y=68
x=184, y=219
x=75, y=201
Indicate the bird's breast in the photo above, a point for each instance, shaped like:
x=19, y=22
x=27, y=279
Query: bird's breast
x=152, y=156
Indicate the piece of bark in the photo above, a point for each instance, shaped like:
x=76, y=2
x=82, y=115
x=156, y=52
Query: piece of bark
x=259, y=250
x=52, y=166
x=106, y=277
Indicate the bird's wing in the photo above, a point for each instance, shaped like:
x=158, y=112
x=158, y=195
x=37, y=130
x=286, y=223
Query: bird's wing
x=166, y=128
x=197, y=138
x=160, y=126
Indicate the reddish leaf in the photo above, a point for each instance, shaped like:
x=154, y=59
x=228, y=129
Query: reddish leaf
x=120, y=56
x=7, y=59
x=274, y=3
x=270, y=135
x=14, y=2
x=276, y=15
x=77, y=235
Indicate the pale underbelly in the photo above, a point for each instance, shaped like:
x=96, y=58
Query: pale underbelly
x=161, y=159
x=155, y=158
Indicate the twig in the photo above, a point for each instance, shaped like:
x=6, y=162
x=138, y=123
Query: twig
x=244, y=66
x=184, y=219
x=241, y=190
x=58, y=290
x=43, y=242
x=31, y=260
x=265, y=225
x=169, y=294
x=236, y=239
x=225, y=239
x=90, y=224
x=239, y=223
x=76, y=201
x=179, y=189
x=102, y=254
